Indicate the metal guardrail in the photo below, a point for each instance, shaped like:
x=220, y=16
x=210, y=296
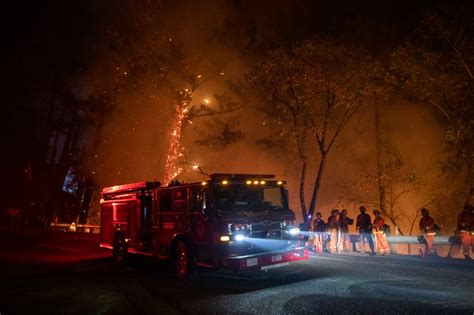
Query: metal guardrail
x=75, y=228
x=450, y=242
x=439, y=240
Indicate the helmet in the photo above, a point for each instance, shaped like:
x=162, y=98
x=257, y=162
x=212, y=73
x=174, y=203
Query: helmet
x=376, y=212
x=335, y=211
x=362, y=209
x=425, y=211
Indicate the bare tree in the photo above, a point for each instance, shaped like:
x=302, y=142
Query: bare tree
x=396, y=183
x=436, y=66
x=312, y=90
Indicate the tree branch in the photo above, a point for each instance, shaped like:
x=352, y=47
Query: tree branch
x=220, y=112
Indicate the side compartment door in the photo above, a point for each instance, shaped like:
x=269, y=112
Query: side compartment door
x=145, y=226
x=123, y=218
x=156, y=203
x=165, y=228
x=133, y=212
x=172, y=217
x=106, y=227
x=201, y=224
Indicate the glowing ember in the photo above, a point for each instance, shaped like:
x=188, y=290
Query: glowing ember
x=175, y=148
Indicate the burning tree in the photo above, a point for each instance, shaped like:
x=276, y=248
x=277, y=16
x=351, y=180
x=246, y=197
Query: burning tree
x=163, y=66
x=185, y=113
x=312, y=90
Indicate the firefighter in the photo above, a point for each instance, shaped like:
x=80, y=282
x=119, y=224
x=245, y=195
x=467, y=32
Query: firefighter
x=365, y=230
x=333, y=229
x=466, y=229
x=319, y=228
x=343, y=223
x=378, y=229
x=428, y=228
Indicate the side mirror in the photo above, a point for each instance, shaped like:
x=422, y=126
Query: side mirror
x=203, y=204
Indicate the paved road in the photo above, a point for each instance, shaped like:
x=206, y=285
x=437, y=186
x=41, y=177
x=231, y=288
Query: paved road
x=64, y=273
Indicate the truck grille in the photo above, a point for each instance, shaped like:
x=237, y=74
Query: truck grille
x=265, y=236
x=266, y=229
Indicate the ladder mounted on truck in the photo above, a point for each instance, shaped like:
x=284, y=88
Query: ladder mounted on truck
x=129, y=188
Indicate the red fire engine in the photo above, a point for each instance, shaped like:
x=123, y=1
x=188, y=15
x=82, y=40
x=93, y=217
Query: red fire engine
x=232, y=221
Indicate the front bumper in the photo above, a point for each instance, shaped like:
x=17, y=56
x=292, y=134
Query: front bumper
x=261, y=260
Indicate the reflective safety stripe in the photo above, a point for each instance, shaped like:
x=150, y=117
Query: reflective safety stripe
x=431, y=233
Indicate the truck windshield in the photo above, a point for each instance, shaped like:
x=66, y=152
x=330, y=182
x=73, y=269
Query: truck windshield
x=241, y=197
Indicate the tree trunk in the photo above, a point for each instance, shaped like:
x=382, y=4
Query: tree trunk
x=317, y=184
x=379, y=155
x=302, y=182
x=380, y=165
x=413, y=223
x=469, y=183
x=394, y=221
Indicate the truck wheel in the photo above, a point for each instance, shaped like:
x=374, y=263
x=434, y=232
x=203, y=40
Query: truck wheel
x=119, y=249
x=182, y=261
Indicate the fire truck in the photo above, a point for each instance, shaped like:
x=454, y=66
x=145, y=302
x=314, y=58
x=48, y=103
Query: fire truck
x=231, y=221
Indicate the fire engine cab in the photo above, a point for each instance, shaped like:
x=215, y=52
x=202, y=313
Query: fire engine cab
x=231, y=221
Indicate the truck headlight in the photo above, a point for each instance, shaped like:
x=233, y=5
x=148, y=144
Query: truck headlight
x=294, y=231
x=239, y=237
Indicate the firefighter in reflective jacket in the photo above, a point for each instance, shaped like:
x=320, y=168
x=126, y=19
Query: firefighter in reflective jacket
x=381, y=243
x=319, y=229
x=364, y=227
x=344, y=222
x=427, y=227
x=466, y=229
x=333, y=228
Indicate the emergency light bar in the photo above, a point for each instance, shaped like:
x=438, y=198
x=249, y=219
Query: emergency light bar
x=240, y=176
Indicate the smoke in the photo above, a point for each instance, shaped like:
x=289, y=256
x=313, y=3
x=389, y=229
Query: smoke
x=221, y=41
x=412, y=133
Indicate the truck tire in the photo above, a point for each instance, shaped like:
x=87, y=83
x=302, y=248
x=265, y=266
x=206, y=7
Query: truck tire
x=182, y=261
x=119, y=249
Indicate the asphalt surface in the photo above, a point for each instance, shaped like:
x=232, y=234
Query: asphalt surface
x=62, y=273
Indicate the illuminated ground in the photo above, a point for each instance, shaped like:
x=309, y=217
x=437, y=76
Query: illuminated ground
x=66, y=273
